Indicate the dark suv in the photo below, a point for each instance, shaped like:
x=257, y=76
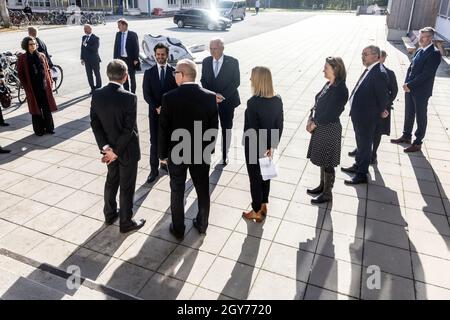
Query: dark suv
x=201, y=18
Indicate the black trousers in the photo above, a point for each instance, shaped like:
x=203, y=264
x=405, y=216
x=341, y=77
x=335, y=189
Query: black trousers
x=123, y=176
x=259, y=189
x=415, y=109
x=200, y=177
x=226, y=115
x=43, y=123
x=2, y=120
x=153, y=121
x=93, y=68
x=376, y=140
x=364, y=133
x=131, y=76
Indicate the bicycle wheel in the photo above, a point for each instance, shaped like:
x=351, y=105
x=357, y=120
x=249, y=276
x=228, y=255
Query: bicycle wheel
x=21, y=94
x=57, y=75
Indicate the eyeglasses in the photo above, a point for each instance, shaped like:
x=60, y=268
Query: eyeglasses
x=32, y=44
x=175, y=72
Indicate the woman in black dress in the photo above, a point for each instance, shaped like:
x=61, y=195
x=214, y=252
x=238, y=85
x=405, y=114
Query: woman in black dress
x=325, y=144
x=262, y=132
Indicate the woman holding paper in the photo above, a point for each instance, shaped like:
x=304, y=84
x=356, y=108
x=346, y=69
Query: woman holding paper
x=262, y=132
x=325, y=128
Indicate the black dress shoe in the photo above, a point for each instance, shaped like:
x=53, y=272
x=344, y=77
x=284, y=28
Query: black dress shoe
x=200, y=229
x=356, y=180
x=152, y=177
x=4, y=150
x=352, y=169
x=112, y=219
x=4, y=124
x=133, y=227
x=402, y=139
x=353, y=153
x=177, y=235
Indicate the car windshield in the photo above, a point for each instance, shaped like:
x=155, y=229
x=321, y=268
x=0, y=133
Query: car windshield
x=225, y=4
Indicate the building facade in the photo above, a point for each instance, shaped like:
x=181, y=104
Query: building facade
x=112, y=6
x=443, y=20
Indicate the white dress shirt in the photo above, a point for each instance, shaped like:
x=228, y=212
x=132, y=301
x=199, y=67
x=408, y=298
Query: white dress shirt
x=125, y=41
x=369, y=68
x=159, y=69
x=219, y=65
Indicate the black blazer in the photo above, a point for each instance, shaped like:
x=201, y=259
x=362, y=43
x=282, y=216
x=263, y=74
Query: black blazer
x=392, y=86
x=329, y=107
x=151, y=86
x=131, y=45
x=372, y=97
x=43, y=49
x=421, y=73
x=180, y=108
x=263, y=113
x=89, y=53
x=227, y=82
x=113, y=121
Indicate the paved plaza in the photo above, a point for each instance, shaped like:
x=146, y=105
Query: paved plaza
x=51, y=201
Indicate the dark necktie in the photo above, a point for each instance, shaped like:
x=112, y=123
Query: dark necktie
x=161, y=76
x=358, y=83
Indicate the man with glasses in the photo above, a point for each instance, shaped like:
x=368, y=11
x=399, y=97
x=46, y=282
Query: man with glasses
x=188, y=113
x=368, y=102
x=418, y=89
x=158, y=80
x=220, y=74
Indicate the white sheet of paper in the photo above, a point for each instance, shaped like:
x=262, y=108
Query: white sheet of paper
x=268, y=169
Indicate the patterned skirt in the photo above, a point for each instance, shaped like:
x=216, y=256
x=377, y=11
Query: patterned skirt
x=325, y=145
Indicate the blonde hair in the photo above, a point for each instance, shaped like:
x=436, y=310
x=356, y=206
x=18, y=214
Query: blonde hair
x=261, y=80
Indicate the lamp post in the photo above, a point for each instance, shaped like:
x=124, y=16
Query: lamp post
x=149, y=8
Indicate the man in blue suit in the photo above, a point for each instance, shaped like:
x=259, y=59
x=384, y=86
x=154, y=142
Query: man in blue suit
x=368, y=103
x=90, y=58
x=418, y=89
x=126, y=48
x=158, y=80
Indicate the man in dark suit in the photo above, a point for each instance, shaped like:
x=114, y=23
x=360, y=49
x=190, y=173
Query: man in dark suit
x=384, y=126
x=126, y=48
x=188, y=130
x=158, y=80
x=418, y=89
x=41, y=47
x=90, y=58
x=113, y=121
x=220, y=74
x=368, y=102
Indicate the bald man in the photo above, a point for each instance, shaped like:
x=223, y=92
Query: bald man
x=90, y=58
x=220, y=74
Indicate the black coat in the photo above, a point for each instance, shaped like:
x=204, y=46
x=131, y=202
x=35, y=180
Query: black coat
x=421, y=73
x=180, y=108
x=113, y=121
x=393, y=91
x=41, y=47
x=263, y=114
x=151, y=86
x=371, y=98
x=89, y=53
x=227, y=82
x=131, y=46
x=329, y=107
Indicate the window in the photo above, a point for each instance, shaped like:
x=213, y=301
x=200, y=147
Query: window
x=186, y=2
x=172, y=3
x=443, y=12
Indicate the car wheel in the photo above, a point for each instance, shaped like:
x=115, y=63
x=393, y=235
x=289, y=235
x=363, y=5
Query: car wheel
x=180, y=24
x=211, y=26
x=243, y=17
x=232, y=18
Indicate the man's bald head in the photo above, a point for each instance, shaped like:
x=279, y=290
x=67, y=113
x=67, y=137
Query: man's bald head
x=185, y=71
x=216, y=47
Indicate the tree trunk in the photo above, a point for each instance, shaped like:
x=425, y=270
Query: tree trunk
x=4, y=14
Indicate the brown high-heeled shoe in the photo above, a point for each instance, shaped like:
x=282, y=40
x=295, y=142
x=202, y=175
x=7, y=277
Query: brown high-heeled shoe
x=264, y=209
x=252, y=215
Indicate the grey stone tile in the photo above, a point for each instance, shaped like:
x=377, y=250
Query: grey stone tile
x=391, y=287
x=52, y=251
x=430, y=292
x=296, y=263
x=266, y=229
x=297, y=235
x=387, y=233
x=316, y=293
x=431, y=270
x=340, y=247
x=161, y=287
x=80, y=230
x=23, y=211
x=230, y=278
x=275, y=287
x=22, y=240
x=305, y=214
